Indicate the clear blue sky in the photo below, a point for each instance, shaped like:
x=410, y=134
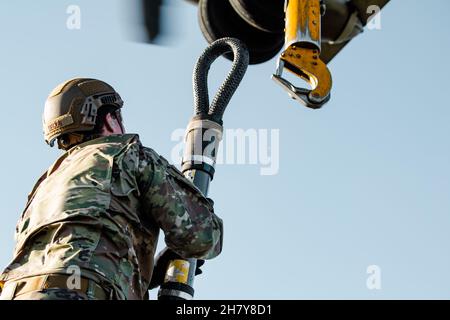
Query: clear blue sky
x=364, y=181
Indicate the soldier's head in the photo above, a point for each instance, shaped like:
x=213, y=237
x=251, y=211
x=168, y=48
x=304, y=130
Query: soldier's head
x=81, y=109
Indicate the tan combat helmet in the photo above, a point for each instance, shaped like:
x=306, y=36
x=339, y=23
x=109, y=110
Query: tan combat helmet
x=72, y=107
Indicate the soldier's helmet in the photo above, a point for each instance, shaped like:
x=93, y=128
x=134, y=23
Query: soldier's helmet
x=73, y=105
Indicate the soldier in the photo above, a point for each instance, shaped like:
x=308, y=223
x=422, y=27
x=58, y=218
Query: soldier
x=91, y=224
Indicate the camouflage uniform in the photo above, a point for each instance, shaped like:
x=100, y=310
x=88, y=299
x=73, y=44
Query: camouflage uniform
x=100, y=207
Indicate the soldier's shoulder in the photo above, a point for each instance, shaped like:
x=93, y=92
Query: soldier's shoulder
x=163, y=166
x=162, y=163
x=148, y=154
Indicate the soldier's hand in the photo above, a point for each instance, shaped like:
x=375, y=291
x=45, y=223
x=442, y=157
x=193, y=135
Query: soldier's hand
x=162, y=261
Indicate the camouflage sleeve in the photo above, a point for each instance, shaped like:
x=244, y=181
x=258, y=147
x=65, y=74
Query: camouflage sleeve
x=187, y=218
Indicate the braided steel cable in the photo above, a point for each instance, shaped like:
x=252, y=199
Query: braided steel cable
x=223, y=96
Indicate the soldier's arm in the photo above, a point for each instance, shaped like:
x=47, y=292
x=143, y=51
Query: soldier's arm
x=187, y=218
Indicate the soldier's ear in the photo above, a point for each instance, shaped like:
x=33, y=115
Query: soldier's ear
x=113, y=124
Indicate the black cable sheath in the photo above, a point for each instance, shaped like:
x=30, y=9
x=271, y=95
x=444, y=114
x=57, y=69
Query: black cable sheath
x=227, y=89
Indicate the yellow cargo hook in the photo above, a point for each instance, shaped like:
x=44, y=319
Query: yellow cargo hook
x=302, y=54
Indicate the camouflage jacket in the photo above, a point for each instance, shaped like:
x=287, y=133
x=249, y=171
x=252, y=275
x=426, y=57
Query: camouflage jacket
x=100, y=208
